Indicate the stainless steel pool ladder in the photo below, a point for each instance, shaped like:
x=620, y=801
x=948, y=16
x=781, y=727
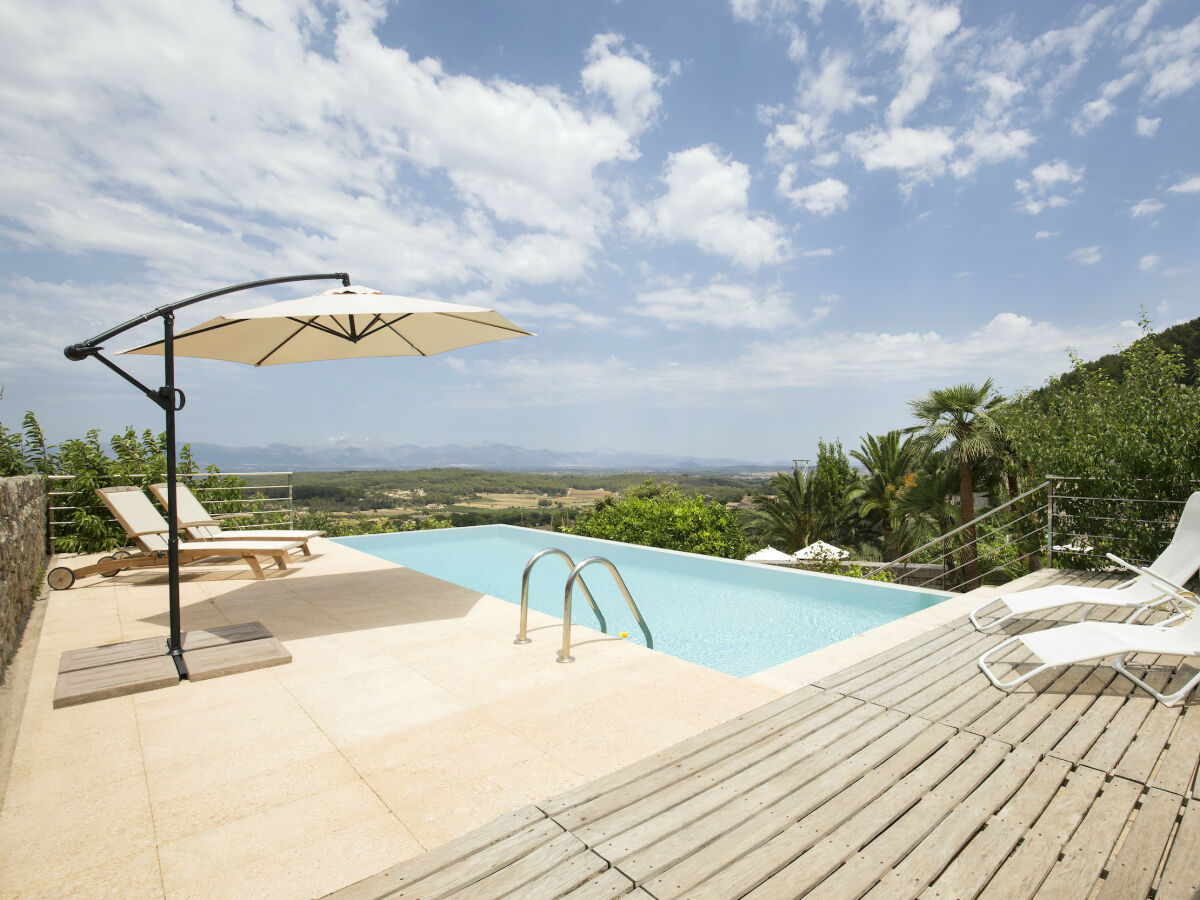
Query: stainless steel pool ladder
x=564, y=655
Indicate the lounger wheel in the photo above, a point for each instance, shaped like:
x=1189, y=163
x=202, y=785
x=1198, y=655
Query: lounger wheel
x=122, y=554
x=104, y=559
x=60, y=578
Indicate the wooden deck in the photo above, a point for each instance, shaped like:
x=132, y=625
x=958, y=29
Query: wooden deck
x=907, y=775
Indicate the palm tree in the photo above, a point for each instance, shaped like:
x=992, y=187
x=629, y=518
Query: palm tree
x=791, y=518
x=925, y=504
x=890, y=461
x=962, y=418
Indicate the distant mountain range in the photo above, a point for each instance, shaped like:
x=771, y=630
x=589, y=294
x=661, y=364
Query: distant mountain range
x=375, y=454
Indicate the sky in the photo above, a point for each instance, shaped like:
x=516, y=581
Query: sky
x=736, y=226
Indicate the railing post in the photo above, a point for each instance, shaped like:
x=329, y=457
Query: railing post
x=291, y=504
x=1049, y=523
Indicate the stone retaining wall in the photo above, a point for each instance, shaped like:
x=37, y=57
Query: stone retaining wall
x=22, y=556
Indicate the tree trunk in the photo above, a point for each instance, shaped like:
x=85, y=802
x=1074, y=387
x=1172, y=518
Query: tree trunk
x=966, y=503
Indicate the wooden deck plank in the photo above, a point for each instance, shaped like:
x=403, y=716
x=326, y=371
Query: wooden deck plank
x=556, y=866
x=960, y=655
x=626, y=809
x=727, y=866
x=812, y=867
x=1023, y=873
x=926, y=860
x=602, y=795
x=385, y=883
x=1132, y=872
x=108, y=654
x=752, y=819
x=1178, y=766
x=692, y=801
x=609, y=883
x=1085, y=854
x=1035, y=712
x=863, y=868
x=1181, y=875
x=914, y=648
x=1065, y=717
x=980, y=859
x=1142, y=756
x=1112, y=744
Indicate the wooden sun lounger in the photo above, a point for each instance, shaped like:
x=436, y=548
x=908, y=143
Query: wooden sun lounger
x=198, y=524
x=148, y=531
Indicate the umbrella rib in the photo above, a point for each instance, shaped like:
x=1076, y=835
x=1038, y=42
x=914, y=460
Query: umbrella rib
x=513, y=329
x=402, y=337
x=275, y=349
x=191, y=333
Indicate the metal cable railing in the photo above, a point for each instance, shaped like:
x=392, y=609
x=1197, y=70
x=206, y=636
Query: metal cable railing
x=243, y=501
x=1046, y=524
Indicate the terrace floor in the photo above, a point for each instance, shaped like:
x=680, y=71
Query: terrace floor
x=906, y=775
x=407, y=719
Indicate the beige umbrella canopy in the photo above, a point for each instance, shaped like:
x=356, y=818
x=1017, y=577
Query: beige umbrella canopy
x=343, y=323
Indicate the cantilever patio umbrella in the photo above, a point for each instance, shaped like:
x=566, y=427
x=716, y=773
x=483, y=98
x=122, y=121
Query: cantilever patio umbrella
x=342, y=323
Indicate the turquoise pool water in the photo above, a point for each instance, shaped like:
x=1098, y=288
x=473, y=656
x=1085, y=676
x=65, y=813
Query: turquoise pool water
x=735, y=617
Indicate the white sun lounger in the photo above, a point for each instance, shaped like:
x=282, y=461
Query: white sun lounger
x=1158, y=585
x=198, y=524
x=1086, y=641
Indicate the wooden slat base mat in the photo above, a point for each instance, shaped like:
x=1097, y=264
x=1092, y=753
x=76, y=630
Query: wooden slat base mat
x=130, y=667
x=115, y=680
x=230, y=659
x=909, y=775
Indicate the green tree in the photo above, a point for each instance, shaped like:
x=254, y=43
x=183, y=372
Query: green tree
x=668, y=520
x=789, y=517
x=890, y=460
x=962, y=419
x=1133, y=441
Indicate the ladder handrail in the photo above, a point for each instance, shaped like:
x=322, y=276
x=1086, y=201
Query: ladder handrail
x=564, y=655
x=521, y=637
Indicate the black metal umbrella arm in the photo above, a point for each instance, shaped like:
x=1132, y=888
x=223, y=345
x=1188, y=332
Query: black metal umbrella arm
x=170, y=399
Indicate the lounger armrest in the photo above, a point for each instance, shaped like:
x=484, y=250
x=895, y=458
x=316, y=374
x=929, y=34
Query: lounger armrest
x=1161, y=581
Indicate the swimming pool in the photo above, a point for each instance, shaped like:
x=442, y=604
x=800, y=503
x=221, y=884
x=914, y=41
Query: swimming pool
x=735, y=617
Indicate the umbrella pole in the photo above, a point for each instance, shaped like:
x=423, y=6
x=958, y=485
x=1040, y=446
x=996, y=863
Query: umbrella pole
x=175, y=642
x=171, y=400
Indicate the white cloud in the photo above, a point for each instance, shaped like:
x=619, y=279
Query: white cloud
x=1046, y=235
x=920, y=31
x=1149, y=262
x=1140, y=19
x=706, y=203
x=719, y=304
x=991, y=147
x=339, y=151
x=1001, y=90
x=1075, y=44
x=819, y=251
x=821, y=94
x=553, y=315
x=1147, y=207
x=821, y=198
x=628, y=81
x=919, y=153
x=1187, y=186
x=1170, y=59
x=1015, y=349
x=1147, y=127
x=1086, y=256
x=1092, y=114
x=1038, y=194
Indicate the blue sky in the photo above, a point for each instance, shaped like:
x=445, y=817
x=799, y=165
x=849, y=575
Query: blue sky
x=736, y=226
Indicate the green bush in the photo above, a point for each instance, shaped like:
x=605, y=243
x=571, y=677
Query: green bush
x=661, y=516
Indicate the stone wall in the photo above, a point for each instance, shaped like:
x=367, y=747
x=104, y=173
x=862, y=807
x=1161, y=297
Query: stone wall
x=22, y=556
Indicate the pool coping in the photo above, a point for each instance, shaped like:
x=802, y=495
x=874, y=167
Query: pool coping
x=739, y=562
x=818, y=664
